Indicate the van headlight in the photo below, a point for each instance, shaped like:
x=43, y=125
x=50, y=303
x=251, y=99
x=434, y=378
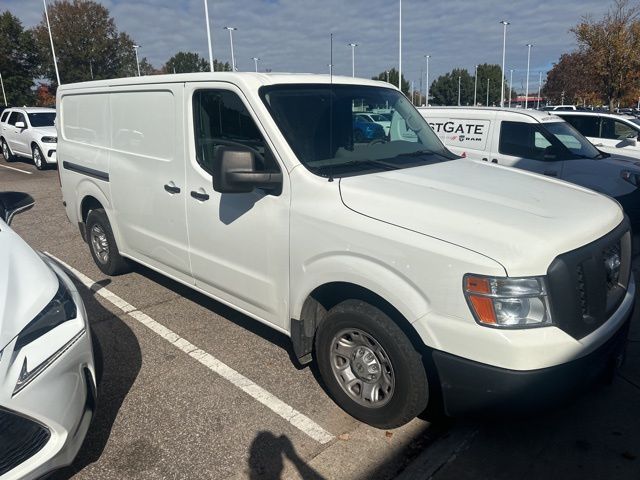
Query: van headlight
x=505, y=302
x=49, y=139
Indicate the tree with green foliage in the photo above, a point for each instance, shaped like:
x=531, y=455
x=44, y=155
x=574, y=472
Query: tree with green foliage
x=86, y=40
x=18, y=60
x=444, y=89
x=146, y=68
x=391, y=76
x=493, y=73
x=188, y=62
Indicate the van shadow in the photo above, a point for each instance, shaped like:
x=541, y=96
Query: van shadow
x=118, y=361
x=228, y=313
x=267, y=454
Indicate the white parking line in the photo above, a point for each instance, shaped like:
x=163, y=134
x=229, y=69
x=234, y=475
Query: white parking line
x=291, y=415
x=16, y=169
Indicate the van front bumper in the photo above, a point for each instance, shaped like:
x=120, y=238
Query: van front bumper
x=472, y=387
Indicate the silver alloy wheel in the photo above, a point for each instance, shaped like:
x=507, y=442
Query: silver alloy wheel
x=5, y=150
x=99, y=243
x=37, y=157
x=362, y=368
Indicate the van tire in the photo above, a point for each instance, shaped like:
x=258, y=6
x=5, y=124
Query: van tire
x=102, y=244
x=6, y=152
x=374, y=343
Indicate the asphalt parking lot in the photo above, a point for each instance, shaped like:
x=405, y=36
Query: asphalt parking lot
x=193, y=389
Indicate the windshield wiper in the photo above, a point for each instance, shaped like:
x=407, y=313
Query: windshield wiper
x=373, y=163
x=417, y=153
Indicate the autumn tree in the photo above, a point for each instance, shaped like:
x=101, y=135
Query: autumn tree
x=391, y=76
x=188, y=62
x=611, y=48
x=18, y=60
x=570, y=80
x=87, y=43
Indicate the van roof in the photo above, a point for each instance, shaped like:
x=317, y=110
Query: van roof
x=32, y=109
x=537, y=115
x=248, y=79
x=601, y=114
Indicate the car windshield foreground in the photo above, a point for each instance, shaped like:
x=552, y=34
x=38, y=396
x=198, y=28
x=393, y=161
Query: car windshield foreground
x=318, y=122
x=42, y=119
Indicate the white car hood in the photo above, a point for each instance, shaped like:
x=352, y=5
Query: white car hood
x=27, y=284
x=520, y=219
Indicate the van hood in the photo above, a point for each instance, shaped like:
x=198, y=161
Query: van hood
x=520, y=219
x=27, y=284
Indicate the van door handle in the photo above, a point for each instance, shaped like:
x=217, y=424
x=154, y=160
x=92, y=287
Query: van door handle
x=485, y=159
x=200, y=196
x=551, y=173
x=495, y=160
x=171, y=188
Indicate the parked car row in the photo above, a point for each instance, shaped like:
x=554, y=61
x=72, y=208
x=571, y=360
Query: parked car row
x=29, y=132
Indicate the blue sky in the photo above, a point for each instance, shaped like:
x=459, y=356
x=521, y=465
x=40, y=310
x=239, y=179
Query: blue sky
x=293, y=35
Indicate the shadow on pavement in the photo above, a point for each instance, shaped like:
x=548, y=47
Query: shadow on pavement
x=264, y=331
x=118, y=360
x=266, y=458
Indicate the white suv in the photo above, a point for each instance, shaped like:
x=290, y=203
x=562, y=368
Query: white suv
x=29, y=132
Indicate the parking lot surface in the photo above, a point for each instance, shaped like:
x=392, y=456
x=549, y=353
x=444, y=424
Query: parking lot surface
x=192, y=389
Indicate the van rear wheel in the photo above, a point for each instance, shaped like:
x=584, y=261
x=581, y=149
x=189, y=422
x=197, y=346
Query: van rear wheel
x=369, y=365
x=102, y=244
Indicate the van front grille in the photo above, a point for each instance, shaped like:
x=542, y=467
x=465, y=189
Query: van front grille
x=588, y=284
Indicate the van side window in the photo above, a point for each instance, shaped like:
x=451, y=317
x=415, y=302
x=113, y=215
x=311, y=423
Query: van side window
x=587, y=125
x=221, y=119
x=616, y=130
x=521, y=139
x=4, y=116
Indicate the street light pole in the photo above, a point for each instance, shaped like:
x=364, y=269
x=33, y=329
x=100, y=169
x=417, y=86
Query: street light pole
x=206, y=14
x=426, y=98
x=504, y=48
x=459, y=90
x=475, y=88
x=400, y=50
x=526, y=95
x=353, y=58
x=255, y=61
x=136, y=47
x=539, y=89
x=510, y=85
x=487, y=92
x=53, y=50
x=233, y=58
x=3, y=94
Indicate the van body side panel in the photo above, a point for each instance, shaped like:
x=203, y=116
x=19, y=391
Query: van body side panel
x=147, y=154
x=82, y=123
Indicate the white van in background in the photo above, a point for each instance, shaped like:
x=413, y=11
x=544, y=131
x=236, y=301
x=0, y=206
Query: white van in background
x=540, y=142
x=614, y=134
x=408, y=275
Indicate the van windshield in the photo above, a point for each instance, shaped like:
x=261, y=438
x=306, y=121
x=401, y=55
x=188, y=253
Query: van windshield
x=321, y=124
x=572, y=140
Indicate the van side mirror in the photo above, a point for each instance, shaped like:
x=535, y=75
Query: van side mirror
x=21, y=125
x=235, y=172
x=12, y=203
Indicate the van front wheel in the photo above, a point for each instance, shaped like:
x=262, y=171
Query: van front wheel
x=103, y=244
x=369, y=365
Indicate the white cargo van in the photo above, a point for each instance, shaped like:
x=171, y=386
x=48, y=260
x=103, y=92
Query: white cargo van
x=540, y=142
x=408, y=275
